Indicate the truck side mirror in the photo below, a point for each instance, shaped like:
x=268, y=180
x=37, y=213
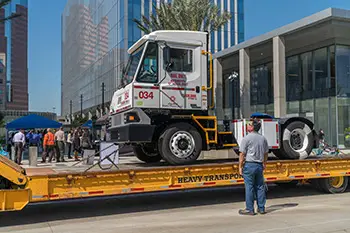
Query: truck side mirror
x=166, y=58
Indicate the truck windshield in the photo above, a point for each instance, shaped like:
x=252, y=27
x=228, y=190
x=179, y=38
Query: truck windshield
x=131, y=67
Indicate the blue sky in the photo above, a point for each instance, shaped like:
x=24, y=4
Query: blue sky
x=45, y=39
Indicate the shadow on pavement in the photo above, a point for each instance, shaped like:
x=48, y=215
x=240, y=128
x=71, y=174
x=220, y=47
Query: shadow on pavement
x=274, y=208
x=66, y=210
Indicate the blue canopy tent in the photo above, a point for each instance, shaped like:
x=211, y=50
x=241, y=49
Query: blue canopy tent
x=87, y=124
x=32, y=122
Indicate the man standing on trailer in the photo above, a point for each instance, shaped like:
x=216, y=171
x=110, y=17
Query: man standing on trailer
x=252, y=162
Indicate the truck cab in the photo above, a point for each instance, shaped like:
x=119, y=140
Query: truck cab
x=167, y=70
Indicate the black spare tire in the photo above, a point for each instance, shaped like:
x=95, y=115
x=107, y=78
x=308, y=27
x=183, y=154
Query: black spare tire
x=297, y=141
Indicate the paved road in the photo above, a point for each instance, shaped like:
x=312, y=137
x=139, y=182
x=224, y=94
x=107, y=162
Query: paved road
x=300, y=209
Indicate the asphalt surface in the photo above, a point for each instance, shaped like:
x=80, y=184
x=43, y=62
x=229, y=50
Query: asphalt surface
x=298, y=209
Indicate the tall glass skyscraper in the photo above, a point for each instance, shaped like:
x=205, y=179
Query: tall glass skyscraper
x=95, y=37
x=14, y=49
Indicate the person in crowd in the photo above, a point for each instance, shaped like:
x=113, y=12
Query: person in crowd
x=70, y=142
x=19, y=141
x=76, y=144
x=55, y=148
x=252, y=162
x=49, y=146
x=29, y=136
x=60, y=140
x=10, y=144
x=86, y=140
x=34, y=139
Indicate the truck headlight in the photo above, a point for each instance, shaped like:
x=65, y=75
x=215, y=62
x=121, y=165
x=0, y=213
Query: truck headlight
x=131, y=117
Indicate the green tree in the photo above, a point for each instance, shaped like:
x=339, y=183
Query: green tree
x=78, y=121
x=3, y=3
x=2, y=120
x=189, y=15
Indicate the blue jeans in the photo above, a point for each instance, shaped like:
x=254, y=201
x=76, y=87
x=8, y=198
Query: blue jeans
x=254, y=185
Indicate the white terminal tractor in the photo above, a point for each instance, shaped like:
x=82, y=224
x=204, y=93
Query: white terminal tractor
x=163, y=106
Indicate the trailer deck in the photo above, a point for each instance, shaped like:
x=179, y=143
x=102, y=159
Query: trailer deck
x=33, y=185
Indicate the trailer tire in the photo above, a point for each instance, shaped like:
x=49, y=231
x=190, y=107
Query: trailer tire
x=180, y=144
x=334, y=184
x=279, y=154
x=146, y=153
x=316, y=184
x=297, y=141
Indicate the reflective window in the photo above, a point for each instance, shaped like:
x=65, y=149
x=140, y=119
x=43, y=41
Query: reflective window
x=293, y=81
x=306, y=75
x=231, y=96
x=332, y=71
x=261, y=82
x=343, y=94
x=321, y=73
x=149, y=68
x=181, y=60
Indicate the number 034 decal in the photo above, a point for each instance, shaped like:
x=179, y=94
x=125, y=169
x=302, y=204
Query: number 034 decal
x=145, y=95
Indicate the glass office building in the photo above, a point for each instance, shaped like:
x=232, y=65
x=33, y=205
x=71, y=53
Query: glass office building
x=95, y=37
x=312, y=57
x=14, y=45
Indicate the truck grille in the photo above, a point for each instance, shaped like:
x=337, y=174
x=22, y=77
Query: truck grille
x=117, y=120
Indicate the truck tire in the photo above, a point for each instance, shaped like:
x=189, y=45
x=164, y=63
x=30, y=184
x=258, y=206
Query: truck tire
x=334, y=184
x=297, y=141
x=180, y=144
x=146, y=153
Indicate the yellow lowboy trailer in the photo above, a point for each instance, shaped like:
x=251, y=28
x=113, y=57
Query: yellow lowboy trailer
x=20, y=187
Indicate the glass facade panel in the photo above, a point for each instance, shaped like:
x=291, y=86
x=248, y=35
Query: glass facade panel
x=310, y=89
x=231, y=96
x=343, y=94
x=240, y=6
x=321, y=72
x=306, y=75
x=261, y=84
x=293, y=84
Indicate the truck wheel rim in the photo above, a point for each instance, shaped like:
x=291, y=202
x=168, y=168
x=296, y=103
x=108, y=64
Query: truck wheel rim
x=298, y=140
x=181, y=144
x=337, y=182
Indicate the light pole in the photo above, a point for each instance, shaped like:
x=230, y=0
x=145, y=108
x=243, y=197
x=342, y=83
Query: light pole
x=103, y=99
x=81, y=105
x=70, y=110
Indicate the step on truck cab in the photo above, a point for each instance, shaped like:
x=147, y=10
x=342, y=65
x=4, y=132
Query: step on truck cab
x=162, y=107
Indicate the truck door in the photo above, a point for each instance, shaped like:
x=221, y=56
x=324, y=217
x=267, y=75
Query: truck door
x=146, y=91
x=180, y=87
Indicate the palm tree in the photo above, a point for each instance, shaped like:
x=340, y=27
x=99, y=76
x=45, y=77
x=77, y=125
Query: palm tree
x=190, y=15
x=14, y=15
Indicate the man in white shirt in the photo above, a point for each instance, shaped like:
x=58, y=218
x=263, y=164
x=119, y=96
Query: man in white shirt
x=19, y=140
x=60, y=139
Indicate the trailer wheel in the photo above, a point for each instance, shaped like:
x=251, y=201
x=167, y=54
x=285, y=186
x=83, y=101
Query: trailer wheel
x=316, y=184
x=298, y=141
x=180, y=144
x=334, y=184
x=146, y=153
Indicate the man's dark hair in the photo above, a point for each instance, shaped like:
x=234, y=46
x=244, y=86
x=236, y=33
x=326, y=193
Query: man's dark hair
x=256, y=125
